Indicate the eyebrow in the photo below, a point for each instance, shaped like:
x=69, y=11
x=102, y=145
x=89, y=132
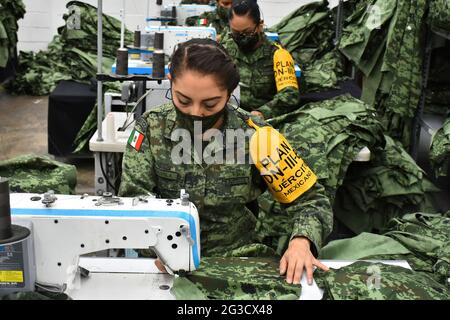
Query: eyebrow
x=186, y=97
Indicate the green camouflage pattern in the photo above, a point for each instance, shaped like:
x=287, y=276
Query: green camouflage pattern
x=214, y=20
x=364, y=280
x=386, y=46
x=236, y=279
x=419, y=238
x=10, y=12
x=427, y=235
x=72, y=54
x=327, y=135
x=309, y=34
x=440, y=150
x=388, y=186
x=219, y=191
x=440, y=15
x=39, y=174
x=258, y=88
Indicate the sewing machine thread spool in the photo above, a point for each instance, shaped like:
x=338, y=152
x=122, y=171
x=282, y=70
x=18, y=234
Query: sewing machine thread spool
x=5, y=211
x=17, y=265
x=122, y=62
x=158, y=57
x=137, y=38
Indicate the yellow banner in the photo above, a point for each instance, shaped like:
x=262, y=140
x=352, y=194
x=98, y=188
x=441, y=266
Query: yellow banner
x=285, y=173
x=284, y=69
x=11, y=276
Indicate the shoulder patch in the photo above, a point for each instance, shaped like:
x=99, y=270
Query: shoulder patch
x=284, y=69
x=135, y=140
x=142, y=124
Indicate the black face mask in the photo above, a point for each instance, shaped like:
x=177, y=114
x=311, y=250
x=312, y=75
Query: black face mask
x=246, y=43
x=187, y=121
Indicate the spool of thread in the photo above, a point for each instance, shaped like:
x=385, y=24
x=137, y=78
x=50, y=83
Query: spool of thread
x=5, y=210
x=110, y=128
x=137, y=38
x=122, y=62
x=158, y=57
x=159, y=41
x=174, y=12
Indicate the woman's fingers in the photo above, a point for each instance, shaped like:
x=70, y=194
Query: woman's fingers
x=320, y=265
x=290, y=270
x=309, y=271
x=283, y=265
x=298, y=272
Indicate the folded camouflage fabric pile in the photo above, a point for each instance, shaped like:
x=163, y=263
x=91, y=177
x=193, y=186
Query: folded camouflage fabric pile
x=72, y=54
x=376, y=281
x=236, y=279
x=327, y=135
x=10, y=12
x=440, y=150
x=388, y=186
x=39, y=174
x=308, y=33
x=440, y=15
x=421, y=239
x=384, y=40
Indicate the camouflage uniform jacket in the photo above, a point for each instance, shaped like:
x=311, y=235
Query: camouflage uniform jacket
x=213, y=19
x=258, y=87
x=219, y=191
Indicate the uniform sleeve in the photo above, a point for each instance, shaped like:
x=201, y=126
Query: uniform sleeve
x=312, y=217
x=287, y=97
x=284, y=101
x=138, y=177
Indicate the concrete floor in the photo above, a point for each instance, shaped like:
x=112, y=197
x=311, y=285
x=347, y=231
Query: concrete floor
x=23, y=130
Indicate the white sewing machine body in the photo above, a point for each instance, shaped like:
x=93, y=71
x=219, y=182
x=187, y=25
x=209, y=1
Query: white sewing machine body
x=72, y=226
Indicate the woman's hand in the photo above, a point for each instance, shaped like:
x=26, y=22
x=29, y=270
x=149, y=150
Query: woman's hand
x=298, y=257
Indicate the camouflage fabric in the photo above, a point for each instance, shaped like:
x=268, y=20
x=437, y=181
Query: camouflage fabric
x=72, y=54
x=419, y=238
x=376, y=281
x=427, y=235
x=440, y=14
x=362, y=246
x=327, y=135
x=236, y=279
x=309, y=34
x=219, y=191
x=440, y=150
x=388, y=186
x=38, y=174
x=213, y=19
x=10, y=12
x=384, y=39
x=258, y=88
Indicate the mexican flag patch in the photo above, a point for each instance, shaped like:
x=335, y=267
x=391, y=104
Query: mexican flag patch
x=136, y=139
x=202, y=22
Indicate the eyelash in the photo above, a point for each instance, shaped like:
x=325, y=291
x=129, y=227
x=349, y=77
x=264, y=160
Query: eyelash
x=184, y=103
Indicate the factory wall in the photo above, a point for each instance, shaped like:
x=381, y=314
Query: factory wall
x=43, y=17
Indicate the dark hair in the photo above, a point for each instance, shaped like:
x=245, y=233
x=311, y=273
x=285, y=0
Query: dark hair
x=207, y=57
x=246, y=7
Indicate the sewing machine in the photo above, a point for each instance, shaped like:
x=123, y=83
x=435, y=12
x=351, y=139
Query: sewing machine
x=66, y=227
x=59, y=253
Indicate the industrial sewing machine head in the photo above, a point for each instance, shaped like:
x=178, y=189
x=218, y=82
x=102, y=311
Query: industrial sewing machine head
x=49, y=233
